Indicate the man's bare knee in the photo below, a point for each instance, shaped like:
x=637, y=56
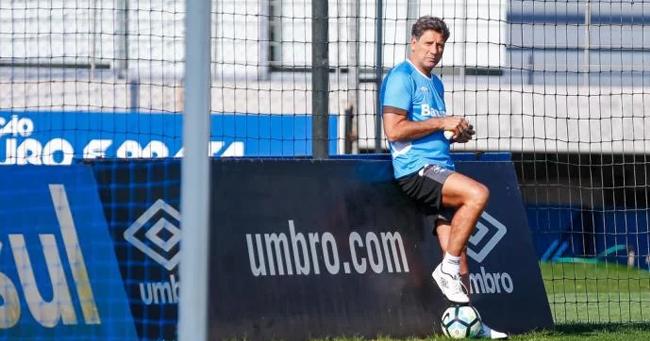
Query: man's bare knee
x=478, y=196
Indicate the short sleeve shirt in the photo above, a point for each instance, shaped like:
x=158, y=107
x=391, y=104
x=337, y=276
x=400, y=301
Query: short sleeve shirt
x=422, y=97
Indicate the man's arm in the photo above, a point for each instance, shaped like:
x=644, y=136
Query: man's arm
x=398, y=128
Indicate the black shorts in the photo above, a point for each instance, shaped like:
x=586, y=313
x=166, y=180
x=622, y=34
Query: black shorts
x=425, y=188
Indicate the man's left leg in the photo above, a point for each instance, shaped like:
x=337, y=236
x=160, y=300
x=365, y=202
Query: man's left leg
x=443, y=230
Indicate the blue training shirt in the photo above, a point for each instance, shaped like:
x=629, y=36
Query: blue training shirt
x=407, y=88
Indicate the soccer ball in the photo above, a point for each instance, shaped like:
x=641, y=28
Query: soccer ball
x=461, y=322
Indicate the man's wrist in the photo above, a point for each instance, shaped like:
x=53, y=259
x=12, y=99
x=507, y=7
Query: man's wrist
x=435, y=124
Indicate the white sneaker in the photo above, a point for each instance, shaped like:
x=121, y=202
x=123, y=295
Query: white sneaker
x=489, y=333
x=451, y=286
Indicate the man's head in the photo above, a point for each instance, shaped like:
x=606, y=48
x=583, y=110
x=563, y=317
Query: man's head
x=428, y=37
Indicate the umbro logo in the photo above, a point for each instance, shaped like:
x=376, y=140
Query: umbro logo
x=489, y=231
x=156, y=234
x=437, y=169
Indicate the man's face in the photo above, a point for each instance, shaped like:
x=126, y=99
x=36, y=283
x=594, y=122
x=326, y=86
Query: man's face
x=427, y=51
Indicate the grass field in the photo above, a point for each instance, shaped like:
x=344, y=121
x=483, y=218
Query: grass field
x=575, y=332
x=597, y=301
x=597, y=293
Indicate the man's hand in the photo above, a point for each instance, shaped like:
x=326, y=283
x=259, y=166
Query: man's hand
x=465, y=135
x=454, y=124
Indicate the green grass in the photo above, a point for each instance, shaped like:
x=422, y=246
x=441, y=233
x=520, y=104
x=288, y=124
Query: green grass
x=573, y=332
x=597, y=293
x=582, y=332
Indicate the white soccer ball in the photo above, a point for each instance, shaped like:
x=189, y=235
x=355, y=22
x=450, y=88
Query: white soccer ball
x=461, y=322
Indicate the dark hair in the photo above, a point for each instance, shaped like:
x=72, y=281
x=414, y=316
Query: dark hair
x=427, y=23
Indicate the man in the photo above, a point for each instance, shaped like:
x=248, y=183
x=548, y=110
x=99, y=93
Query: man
x=419, y=134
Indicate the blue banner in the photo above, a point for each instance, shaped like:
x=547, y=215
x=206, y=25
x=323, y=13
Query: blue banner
x=332, y=248
x=59, y=277
x=57, y=138
x=577, y=234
